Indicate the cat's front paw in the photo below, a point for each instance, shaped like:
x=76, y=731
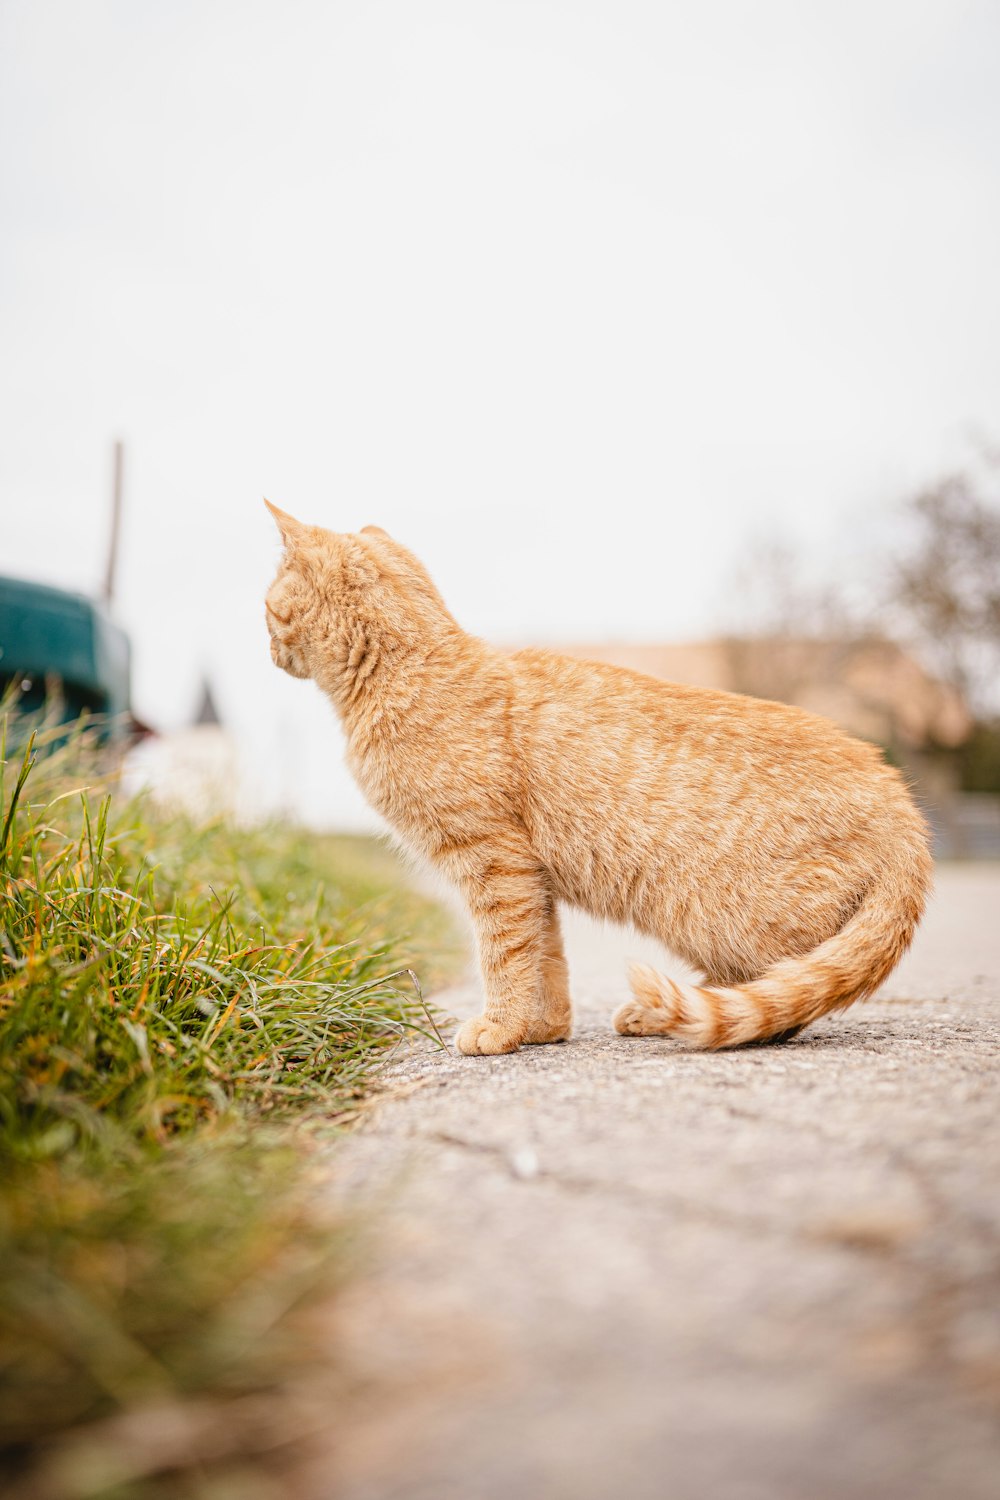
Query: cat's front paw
x=482, y=1038
x=541, y=1032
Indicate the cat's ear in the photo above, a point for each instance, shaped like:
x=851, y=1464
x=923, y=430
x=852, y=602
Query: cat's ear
x=375, y=531
x=291, y=530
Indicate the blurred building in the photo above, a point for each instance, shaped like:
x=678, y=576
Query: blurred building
x=196, y=769
x=870, y=685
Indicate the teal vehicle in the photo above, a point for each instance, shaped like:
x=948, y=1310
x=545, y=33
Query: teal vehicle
x=62, y=649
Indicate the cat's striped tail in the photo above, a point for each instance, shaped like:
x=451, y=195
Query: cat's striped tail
x=847, y=967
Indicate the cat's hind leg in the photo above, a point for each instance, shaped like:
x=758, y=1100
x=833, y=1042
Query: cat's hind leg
x=635, y=1018
x=646, y=1015
x=554, y=1018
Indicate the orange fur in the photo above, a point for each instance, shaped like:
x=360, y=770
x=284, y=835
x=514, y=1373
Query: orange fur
x=758, y=842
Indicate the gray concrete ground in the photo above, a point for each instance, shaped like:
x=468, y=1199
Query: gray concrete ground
x=616, y=1269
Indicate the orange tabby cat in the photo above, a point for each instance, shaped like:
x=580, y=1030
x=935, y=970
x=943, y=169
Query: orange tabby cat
x=757, y=841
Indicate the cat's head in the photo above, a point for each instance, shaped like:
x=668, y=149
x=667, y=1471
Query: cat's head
x=335, y=592
x=293, y=603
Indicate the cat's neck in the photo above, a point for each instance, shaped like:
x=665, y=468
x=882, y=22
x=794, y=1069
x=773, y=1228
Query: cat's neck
x=377, y=675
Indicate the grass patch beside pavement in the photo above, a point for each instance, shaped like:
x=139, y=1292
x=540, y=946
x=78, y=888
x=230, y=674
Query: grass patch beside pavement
x=176, y=1003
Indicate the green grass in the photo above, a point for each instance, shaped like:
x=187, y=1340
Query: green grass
x=181, y=1008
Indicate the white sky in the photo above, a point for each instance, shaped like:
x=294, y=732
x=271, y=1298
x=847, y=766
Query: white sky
x=573, y=298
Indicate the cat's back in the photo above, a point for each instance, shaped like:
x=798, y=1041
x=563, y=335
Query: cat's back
x=562, y=700
x=643, y=795
x=592, y=737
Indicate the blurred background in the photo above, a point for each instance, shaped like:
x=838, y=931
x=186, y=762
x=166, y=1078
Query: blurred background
x=663, y=332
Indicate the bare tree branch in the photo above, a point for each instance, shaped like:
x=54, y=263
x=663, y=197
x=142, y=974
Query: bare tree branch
x=947, y=586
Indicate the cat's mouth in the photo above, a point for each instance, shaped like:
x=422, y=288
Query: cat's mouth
x=272, y=613
x=287, y=660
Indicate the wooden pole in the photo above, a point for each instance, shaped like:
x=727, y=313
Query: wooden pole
x=116, y=521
